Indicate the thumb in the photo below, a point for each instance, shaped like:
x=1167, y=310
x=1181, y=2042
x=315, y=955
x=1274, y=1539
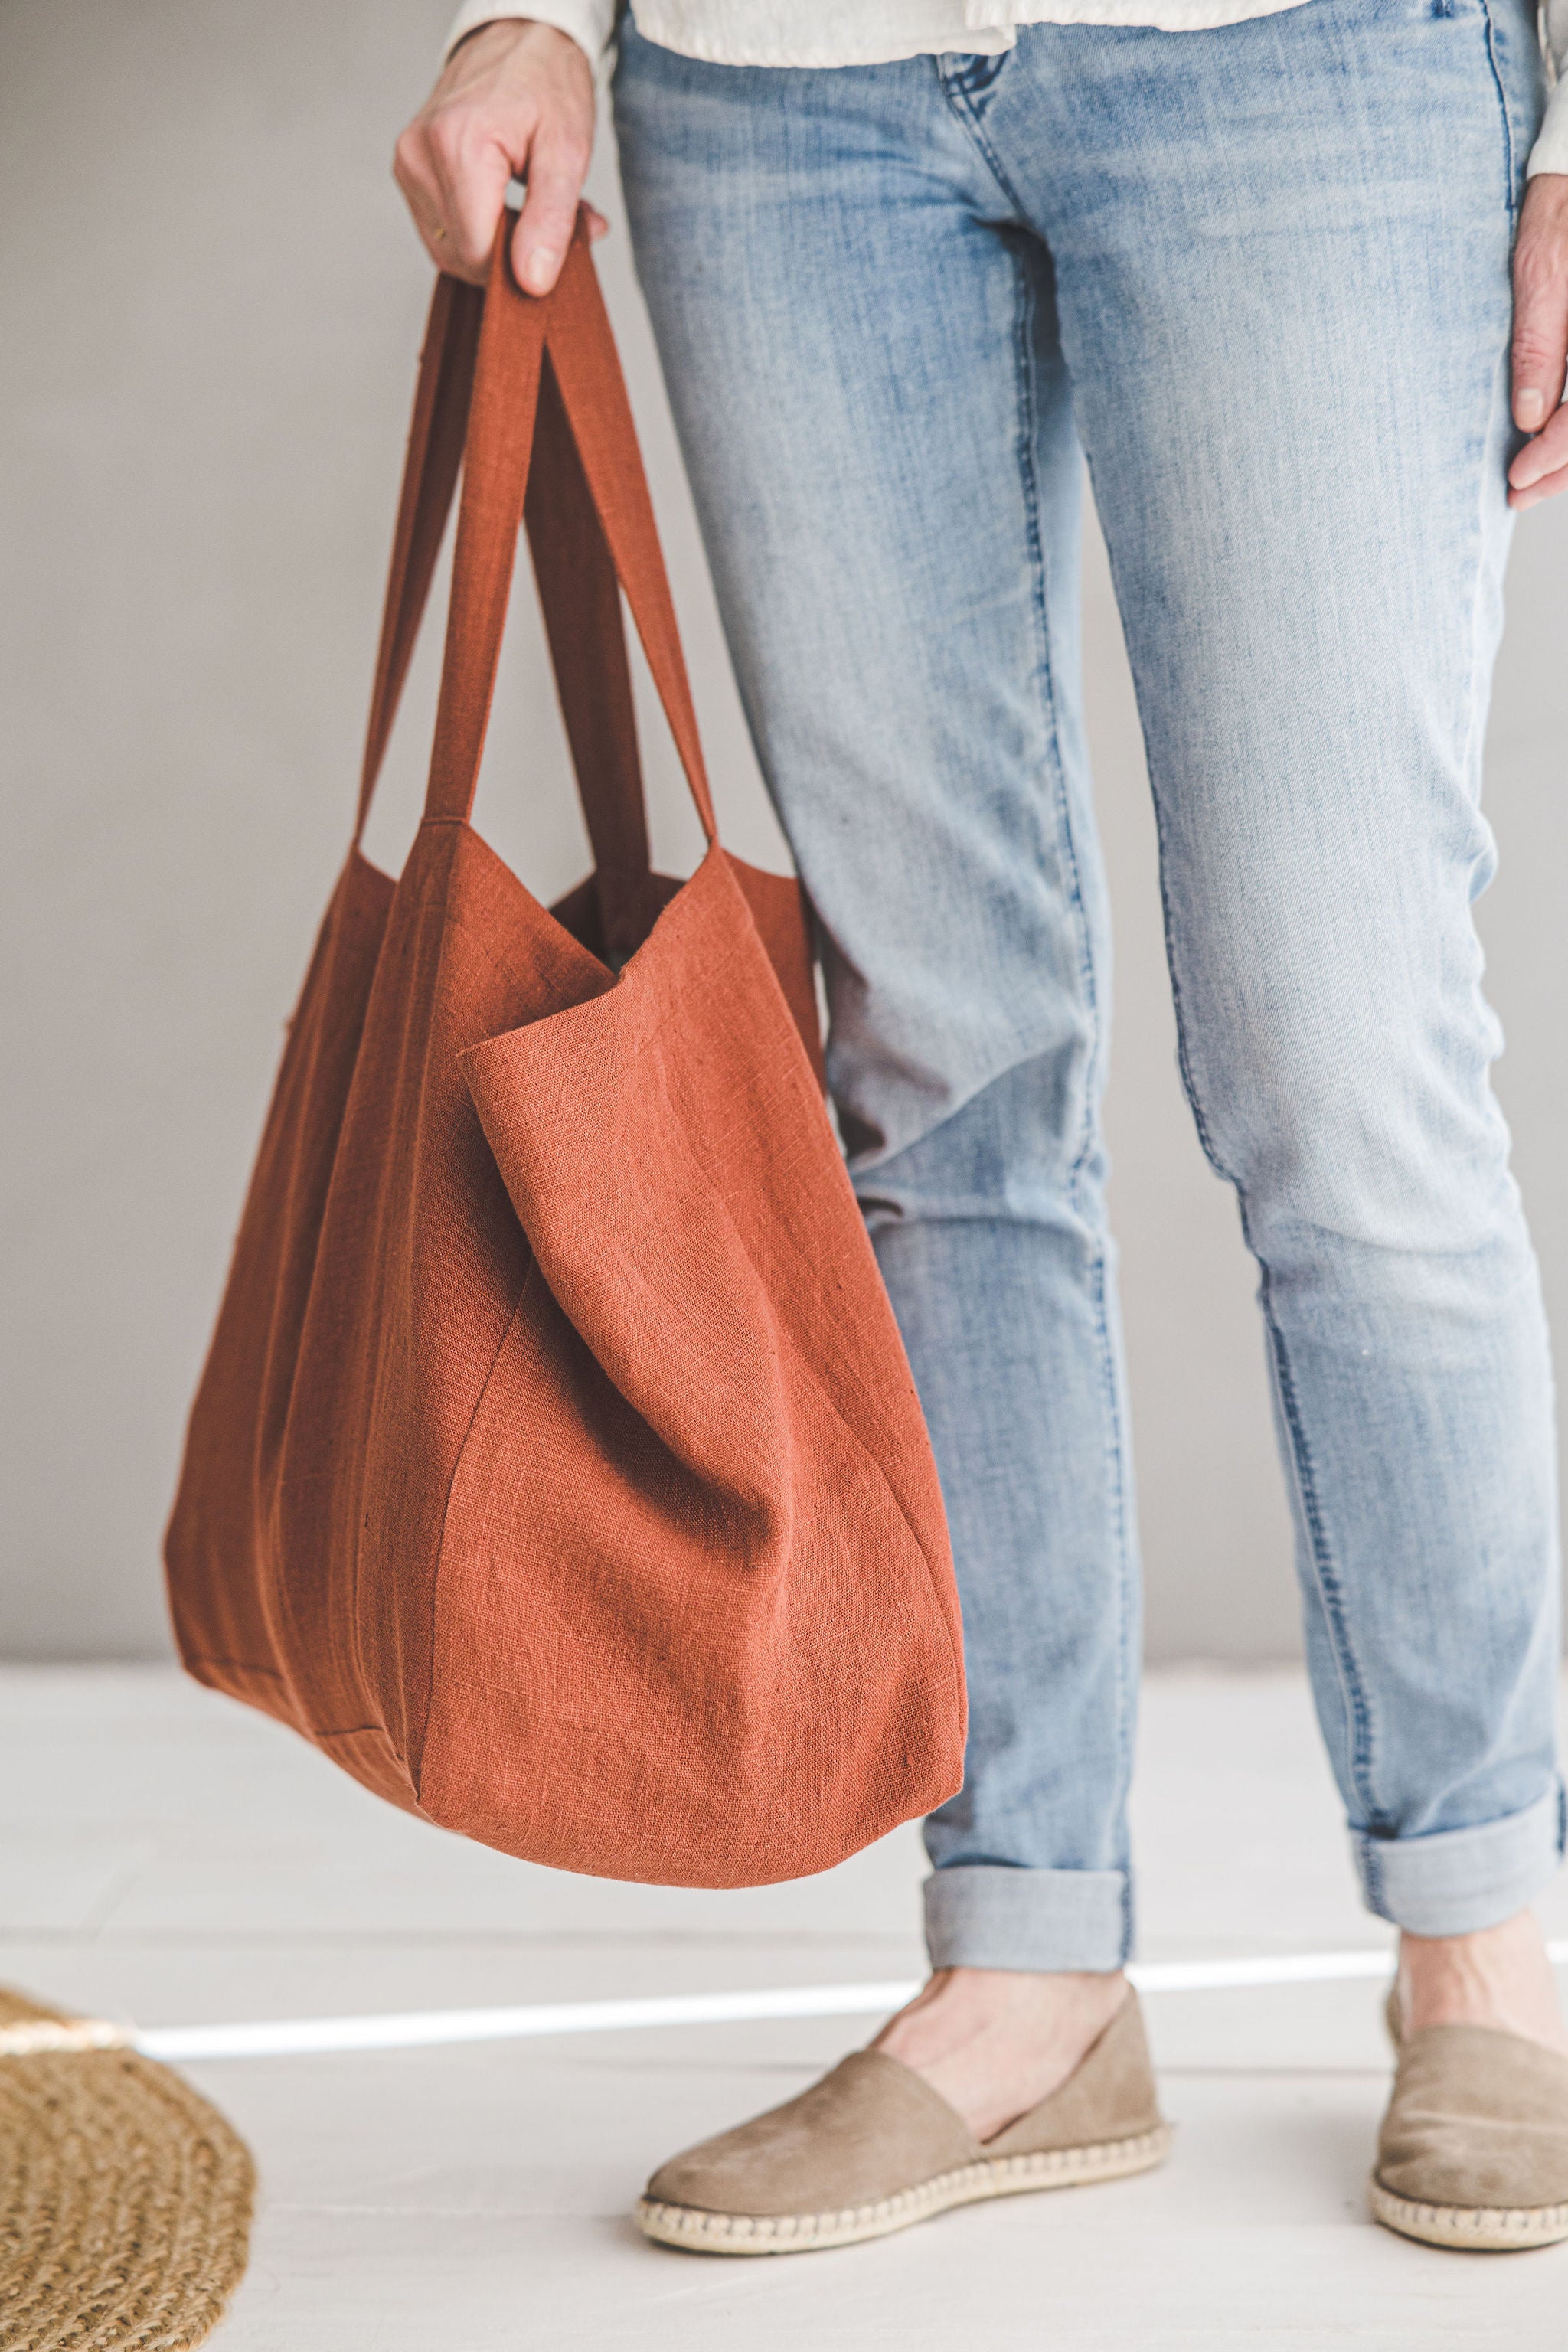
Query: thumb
x=557, y=167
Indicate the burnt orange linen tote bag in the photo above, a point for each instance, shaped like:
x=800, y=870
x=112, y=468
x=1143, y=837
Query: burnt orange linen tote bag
x=556, y=1466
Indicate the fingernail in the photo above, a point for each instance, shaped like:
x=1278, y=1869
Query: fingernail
x=1528, y=408
x=538, y=269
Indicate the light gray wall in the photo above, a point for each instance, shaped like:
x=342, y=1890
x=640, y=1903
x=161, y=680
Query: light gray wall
x=209, y=308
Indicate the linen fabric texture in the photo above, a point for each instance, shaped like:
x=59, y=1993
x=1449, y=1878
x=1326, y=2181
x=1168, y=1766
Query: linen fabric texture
x=557, y=1467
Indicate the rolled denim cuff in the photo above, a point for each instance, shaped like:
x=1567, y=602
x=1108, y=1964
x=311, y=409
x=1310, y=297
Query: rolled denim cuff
x=992, y=1916
x=1453, y=1882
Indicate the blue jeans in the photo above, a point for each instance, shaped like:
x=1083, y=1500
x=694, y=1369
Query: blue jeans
x=1261, y=276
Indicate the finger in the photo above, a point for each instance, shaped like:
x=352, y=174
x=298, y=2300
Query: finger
x=412, y=169
x=557, y=170
x=472, y=169
x=598, y=226
x=1539, y=492
x=1544, y=455
x=1539, y=324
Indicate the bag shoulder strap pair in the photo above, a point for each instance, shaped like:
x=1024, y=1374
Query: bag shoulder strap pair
x=532, y=391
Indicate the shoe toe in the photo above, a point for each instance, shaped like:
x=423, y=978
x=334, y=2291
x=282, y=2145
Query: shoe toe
x=1478, y=2121
x=867, y=2130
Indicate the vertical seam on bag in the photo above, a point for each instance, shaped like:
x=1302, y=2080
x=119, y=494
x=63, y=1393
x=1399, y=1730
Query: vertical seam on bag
x=416, y=1770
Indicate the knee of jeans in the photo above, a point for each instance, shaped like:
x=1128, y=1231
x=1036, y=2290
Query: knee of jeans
x=1367, y=1164
x=1025, y=1146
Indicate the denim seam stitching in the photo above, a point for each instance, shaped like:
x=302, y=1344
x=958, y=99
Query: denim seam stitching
x=1046, y=679
x=1478, y=553
x=967, y=110
x=1330, y=1588
x=1023, y=312
x=1510, y=156
x=1330, y=1592
x=976, y=80
x=971, y=118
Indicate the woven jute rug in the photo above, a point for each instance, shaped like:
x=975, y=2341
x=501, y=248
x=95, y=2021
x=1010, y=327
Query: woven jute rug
x=125, y=2199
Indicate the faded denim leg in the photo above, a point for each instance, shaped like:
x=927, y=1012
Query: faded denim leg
x=863, y=361
x=1288, y=331
x=1272, y=263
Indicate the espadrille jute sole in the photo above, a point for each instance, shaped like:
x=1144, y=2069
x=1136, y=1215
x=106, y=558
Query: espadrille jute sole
x=799, y=2233
x=1473, y=2229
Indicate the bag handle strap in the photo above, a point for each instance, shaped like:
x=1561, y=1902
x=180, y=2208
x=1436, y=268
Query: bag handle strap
x=582, y=604
x=582, y=348
x=516, y=331
x=577, y=587
x=429, y=477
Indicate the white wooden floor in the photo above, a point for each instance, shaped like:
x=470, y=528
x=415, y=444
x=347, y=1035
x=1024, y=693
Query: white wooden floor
x=167, y=1858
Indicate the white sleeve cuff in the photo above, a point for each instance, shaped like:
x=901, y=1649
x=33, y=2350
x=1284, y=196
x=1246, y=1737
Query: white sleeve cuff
x=1550, y=152
x=590, y=22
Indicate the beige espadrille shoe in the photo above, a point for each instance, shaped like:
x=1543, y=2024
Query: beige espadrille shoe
x=1474, y=2148
x=872, y=2147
